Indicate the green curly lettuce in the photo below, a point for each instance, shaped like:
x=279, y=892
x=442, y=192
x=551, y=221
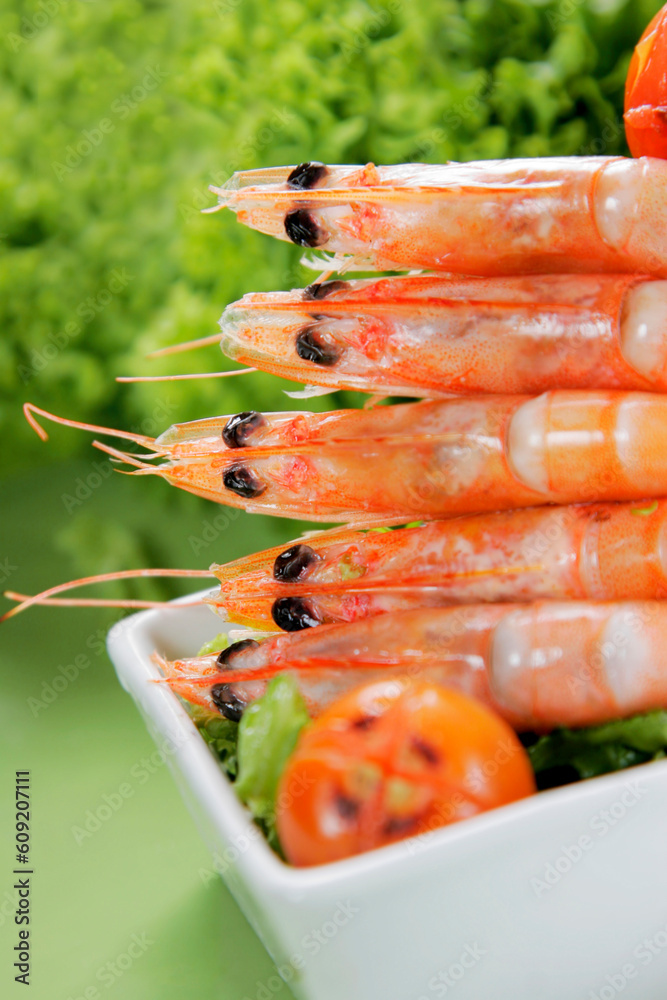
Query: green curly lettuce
x=107, y=159
x=569, y=754
x=268, y=732
x=254, y=751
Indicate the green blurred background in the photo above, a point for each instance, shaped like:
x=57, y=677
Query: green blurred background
x=115, y=116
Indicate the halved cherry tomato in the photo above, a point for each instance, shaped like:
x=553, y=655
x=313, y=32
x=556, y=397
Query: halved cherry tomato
x=646, y=92
x=394, y=759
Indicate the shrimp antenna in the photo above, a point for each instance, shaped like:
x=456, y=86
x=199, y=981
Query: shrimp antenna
x=127, y=458
x=174, y=378
x=95, y=602
x=186, y=345
x=30, y=410
x=124, y=574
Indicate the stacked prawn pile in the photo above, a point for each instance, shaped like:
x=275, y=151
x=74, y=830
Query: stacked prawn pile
x=527, y=565
x=534, y=579
x=535, y=574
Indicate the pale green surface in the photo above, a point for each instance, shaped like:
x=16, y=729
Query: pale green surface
x=140, y=872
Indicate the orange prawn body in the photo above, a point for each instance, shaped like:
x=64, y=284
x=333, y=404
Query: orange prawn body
x=423, y=460
x=597, y=551
x=432, y=335
x=539, y=665
x=491, y=217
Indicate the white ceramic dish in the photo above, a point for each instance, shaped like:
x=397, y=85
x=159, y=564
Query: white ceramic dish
x=560, y=897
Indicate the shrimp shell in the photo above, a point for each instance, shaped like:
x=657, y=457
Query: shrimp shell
x=598, y=551
x=423, y=460
x=431, y=336
x=539, y=665
x=491, y=217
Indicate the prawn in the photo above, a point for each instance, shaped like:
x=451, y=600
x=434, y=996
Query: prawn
x=492, y=217
x=424, y=460
x=538, y=665
x=432, y=335
x=597, y=551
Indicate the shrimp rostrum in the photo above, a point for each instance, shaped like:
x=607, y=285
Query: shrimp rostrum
x=431, y=335
x=539, y=665
x=425, y=460
x=552, y=214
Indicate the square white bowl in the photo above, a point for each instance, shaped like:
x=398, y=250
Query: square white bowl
x=562, y=896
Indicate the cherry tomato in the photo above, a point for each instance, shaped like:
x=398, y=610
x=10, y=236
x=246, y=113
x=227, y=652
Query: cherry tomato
x=646, y=92
x=394, y=759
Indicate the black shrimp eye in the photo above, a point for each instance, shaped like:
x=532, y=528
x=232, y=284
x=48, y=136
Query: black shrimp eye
x=320, y=290
x=293, y=613
x=303, y=230
x=238, y=428
x=227, y=702
x=243, y=482
x=294, y=564
x=307, y=175
x=227, y=654
x=312, y=346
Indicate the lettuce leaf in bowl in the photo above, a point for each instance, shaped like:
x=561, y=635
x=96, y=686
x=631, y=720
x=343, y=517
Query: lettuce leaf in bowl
x=267, y=734
x=221, y=735
x=566, y=755
x=254, y=751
